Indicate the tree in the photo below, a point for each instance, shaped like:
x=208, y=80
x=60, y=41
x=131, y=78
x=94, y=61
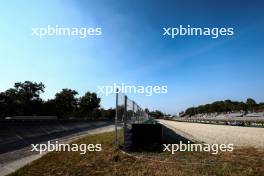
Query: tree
x=24, y=99
x=49, y=108
x=225, y=106
x=110, y=113
x=251, y=103
x=156, y=114
x=29, y=91
x=65, y=102
x=2, y=105
x=261, y=106
x=190, y=111
x=89, y=103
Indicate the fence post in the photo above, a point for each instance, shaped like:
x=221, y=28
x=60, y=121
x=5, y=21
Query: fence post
x=116, y=137
x=133, y=115
x=125, y=121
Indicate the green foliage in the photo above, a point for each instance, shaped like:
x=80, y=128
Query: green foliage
x=29, y=91
x=156, y=114
x=109, y=113
x=89, y=102
x=251, y=104
x=24, y=100
x=225, y=106
x=65, y=102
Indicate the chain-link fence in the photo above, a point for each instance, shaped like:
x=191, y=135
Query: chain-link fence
x=128, y=112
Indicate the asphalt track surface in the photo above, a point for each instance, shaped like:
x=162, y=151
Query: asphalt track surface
x=218, y=134
x=15, y=159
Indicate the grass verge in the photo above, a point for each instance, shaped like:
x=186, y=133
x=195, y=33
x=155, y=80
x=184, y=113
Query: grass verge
x=242, y=162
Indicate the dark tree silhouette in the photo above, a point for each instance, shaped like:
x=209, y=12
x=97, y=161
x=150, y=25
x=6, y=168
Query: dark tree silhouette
x=88, y=103
x=251, y=104
x=24, y=99
x=65, y=102
x=225, y=106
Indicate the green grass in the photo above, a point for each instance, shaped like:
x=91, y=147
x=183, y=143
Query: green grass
x=151, y=121
x=241, y=162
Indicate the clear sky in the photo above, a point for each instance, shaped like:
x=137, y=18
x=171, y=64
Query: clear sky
x=132, y=49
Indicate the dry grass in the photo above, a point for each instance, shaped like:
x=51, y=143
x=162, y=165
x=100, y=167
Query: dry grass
x=244, y=161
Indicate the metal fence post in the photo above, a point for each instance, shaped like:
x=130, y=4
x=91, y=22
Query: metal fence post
x=125, y=120
x=116, y=137
x=133, y=114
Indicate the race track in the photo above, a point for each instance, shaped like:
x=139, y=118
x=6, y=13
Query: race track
x=13, y=160
x=218, y=134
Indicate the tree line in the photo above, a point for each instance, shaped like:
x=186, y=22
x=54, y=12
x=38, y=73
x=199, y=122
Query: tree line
x=226, y=106
x=24, y=100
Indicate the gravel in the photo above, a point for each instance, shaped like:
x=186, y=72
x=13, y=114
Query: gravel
x=218, y=134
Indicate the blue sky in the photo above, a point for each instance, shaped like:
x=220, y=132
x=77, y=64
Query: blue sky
x=132, y=50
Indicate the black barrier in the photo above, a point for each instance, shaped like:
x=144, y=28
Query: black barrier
x=147, y=137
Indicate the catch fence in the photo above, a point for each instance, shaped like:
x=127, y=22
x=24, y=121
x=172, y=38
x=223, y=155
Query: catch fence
x=128, y=112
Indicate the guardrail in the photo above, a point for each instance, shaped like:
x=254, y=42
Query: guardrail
x=239, y=121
